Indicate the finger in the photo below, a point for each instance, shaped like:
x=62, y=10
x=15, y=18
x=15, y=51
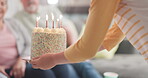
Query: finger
x=44, y=68
x=11, y=73
x=34, y=61
x=20, y=74
x=36, y=58
x=17, y=74
x=35, y=66
x=14, y=74
x=23, y=73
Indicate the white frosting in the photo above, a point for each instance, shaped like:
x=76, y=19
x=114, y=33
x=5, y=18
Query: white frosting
x=53, y=30
x=61, y=30
x=47, y=30
x=35, y=29
x=40, y=29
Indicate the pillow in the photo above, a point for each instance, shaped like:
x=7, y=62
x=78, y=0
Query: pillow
x=104, y=54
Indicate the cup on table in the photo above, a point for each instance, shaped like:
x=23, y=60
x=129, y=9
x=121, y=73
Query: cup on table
x=110, y=75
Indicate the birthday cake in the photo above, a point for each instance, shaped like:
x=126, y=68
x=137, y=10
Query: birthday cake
x=45, y=40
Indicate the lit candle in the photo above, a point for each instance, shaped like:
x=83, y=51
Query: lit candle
x=37, y=21
x=52, y=20
x=46, y=21
x=61, y=21
x=57, y=23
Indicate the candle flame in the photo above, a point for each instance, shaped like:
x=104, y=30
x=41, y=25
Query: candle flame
x=38, y=18
x=58, y=20
x=52, y=16
x=46, y=17
x=52, y=1
x=61, y=16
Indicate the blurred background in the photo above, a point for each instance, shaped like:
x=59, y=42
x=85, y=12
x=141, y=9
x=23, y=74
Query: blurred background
x=76, y=10
x=123, y=59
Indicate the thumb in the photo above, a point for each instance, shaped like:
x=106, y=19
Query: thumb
x=32, y=61
x=36, y=58
x=11, y=72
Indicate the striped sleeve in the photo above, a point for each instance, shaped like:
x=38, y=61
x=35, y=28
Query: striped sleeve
x=113, y=37
x=131, y=20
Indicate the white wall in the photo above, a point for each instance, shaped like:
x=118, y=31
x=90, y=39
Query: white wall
x=74, y=2
x=70, y=2
x=15, y=5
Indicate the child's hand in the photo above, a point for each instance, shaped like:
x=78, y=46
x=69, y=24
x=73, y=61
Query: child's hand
x=44, y=62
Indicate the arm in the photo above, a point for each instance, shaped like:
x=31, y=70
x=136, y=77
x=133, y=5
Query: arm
x=71, y=31
x=26, y=39
x=18, y=69
x=113, y=37
x=99, y=19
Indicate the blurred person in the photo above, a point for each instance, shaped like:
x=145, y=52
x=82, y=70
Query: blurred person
x=14, y=47
x=27, y=17
x=32, y=9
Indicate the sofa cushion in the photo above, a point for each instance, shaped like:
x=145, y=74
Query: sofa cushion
x=126, y=65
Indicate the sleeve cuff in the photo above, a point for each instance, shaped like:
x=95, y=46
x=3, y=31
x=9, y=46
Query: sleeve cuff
x=26, y=58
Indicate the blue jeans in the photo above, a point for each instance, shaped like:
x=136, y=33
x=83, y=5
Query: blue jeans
x=86, y=70
x=65, y=71
x=59, y=71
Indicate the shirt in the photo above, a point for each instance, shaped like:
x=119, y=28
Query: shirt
x=8, y=49
x=130, y=21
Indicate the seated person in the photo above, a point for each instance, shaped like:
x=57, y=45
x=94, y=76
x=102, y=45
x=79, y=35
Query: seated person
x=15, y=46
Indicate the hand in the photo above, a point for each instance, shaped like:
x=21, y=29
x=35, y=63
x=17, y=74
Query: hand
x=18, y=70
x=44, y=62
x=2, y=70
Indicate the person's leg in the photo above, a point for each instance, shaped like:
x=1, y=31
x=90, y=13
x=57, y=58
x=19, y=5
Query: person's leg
x=86, y=70
x=65, y=71
x=37, y=73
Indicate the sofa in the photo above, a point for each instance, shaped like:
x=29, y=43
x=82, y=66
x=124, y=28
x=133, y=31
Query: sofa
x=126, y=65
